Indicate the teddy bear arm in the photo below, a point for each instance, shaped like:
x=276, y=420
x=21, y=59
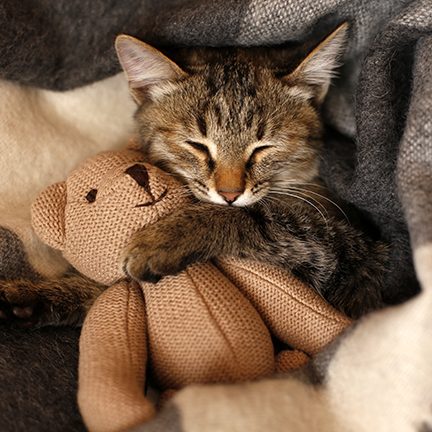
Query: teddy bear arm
x=294, y=312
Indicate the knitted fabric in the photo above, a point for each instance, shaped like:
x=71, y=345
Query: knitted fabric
x=201, y=329
x=111, y=383
x=96, y=232
x=201, y=326
x=288, y=360
x=294, y=313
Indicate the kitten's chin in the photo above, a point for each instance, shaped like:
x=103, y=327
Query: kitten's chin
x=212, y=197
x=245, y=200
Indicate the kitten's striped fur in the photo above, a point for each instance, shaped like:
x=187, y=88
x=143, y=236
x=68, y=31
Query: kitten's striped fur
x=241, y=128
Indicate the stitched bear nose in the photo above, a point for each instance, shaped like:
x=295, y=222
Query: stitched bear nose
x=140, y=174
x=230, y=196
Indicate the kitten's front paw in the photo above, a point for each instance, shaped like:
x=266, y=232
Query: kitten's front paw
x=25, y=303
x=139, y=264
x=19, y=306
x=152, y=254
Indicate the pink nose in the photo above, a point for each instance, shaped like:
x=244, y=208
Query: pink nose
x=230, y=196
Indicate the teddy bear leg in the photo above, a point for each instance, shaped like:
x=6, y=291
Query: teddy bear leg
x=288, y=360
x=113, y=361
x=36, y=303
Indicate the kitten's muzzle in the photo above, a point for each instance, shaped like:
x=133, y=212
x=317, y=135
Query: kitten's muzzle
x=230, y=196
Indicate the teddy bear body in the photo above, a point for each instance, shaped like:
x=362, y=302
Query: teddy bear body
x=210, y=323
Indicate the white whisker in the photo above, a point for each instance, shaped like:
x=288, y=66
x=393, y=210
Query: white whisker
x=304, y=193
x=305, y=200
x=317, y=194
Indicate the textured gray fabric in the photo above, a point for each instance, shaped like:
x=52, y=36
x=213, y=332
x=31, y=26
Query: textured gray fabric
x=383, y=100
x=38, y=372
x=61, y=44
x=381, y=104
x=13, y=260
x=415, y=159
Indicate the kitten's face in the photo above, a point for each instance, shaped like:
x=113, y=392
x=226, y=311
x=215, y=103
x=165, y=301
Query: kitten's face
x=232, y=127
x=231, y=136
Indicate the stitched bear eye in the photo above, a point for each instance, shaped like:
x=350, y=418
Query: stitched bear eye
x=91, y=196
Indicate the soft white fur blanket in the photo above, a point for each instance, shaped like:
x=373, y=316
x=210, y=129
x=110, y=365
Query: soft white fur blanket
x=43, y=135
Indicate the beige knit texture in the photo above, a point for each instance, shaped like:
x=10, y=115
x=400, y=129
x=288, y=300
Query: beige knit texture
x=204, y=325
x=112, y=363
x=293, y=312
x=217, y=337
x=289, y=360
x=48, y=215
x=96, y=233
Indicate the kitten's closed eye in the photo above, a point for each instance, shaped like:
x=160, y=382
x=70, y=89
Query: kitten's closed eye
x=256, y=153
x=200, y=147
x=204, y=151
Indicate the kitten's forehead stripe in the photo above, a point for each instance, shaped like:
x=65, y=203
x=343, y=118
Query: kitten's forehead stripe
x=202, y=125
x=233, y=91
x=261, y=129
x=218, y=114
x=250, y=117
x=212, y=85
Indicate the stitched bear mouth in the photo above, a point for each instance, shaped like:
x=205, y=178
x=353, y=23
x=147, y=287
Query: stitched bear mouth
x=154, y=201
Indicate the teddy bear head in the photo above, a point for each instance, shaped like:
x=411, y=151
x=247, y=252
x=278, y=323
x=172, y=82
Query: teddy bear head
x=92, y=215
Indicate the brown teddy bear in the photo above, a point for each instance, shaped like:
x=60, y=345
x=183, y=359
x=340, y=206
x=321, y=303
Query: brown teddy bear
x=213, y=322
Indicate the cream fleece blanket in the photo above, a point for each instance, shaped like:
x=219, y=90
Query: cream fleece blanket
x=43, y=135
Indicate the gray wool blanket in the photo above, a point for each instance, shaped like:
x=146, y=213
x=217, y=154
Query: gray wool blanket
x=378, y=157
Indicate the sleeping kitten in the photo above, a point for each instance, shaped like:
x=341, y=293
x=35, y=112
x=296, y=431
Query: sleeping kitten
x=241, y=128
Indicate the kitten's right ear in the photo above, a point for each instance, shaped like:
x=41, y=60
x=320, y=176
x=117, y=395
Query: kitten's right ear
x=317, y=69
x=146, y=68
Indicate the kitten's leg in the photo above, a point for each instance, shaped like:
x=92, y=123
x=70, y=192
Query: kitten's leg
x=198, y=233
x=62, y=301
x=343, y=265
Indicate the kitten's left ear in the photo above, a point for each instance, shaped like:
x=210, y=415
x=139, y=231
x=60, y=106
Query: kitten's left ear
x=146, y=68
x=318, y=68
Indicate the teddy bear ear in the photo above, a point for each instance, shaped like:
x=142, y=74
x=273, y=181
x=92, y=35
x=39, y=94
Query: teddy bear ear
x=48, y=215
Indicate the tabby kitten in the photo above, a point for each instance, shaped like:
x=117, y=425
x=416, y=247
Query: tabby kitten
x=241, y=127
